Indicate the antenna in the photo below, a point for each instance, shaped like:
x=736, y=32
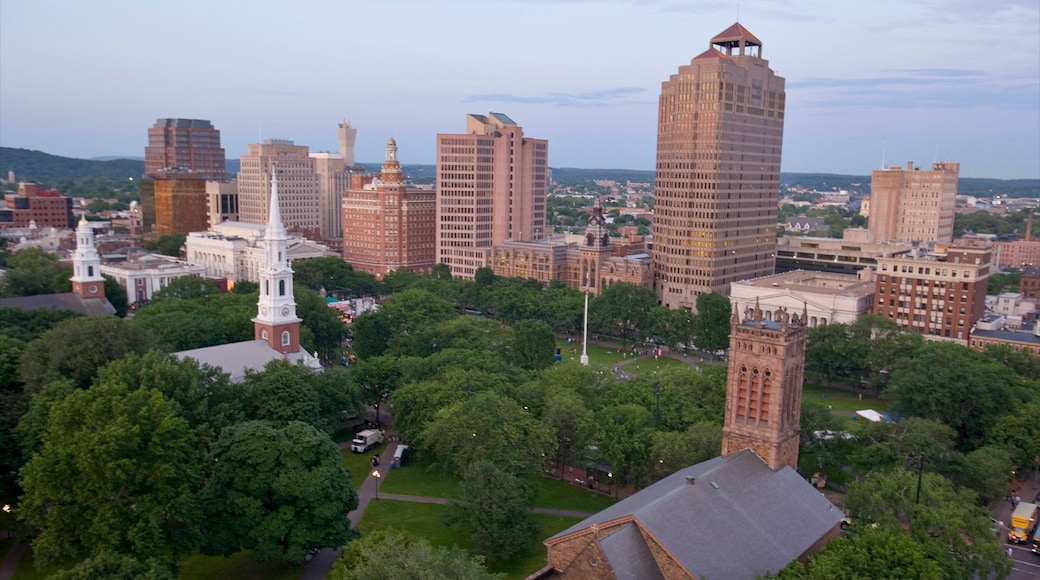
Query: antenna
x=884, y=146
x=738, y=11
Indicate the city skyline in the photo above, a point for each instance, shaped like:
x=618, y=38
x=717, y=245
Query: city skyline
x=884, y=80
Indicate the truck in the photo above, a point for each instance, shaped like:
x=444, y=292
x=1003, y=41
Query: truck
x=366, y=440
x=1023, y=522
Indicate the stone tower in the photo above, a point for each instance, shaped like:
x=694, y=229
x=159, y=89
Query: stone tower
x=764, y=385
x=594, y=249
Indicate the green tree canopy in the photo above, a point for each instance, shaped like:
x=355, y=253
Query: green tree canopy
x=869, y=554
x=533, y=344
x=622, y=309
x=671, y=451
x=115, y=473
x=185, y=288
x=32, y=271
x=494, y=508
x=399, y=555
x=711, y=324
x=278, y=491
x=168, y=245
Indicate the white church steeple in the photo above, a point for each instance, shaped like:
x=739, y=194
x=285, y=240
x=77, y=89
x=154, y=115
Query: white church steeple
x=86, y=264
x=276, y=320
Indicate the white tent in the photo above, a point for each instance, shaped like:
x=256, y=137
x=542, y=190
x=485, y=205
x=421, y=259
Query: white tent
x=871, y=415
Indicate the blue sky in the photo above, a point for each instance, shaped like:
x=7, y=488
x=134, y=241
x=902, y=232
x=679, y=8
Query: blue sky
x=952, y=80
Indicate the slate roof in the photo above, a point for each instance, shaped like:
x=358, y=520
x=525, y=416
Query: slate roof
x=738, y=518
x=237, y=357
x=64, y=301
x=710, y=53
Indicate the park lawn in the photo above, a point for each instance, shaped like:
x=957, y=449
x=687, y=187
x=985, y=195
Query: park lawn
x=553, y=493
x=423, y=520
x=415, y=478
x=652, y=366
x=27, y=569
x=598, y=355
x=238, y=566
x=840, y=400
x=359, y=464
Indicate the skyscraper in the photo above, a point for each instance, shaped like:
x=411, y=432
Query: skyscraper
x=186, y=143
x=912, y=205
x=174, y=202
x=346, y=135
x=719, y=135
x=388, y=225
x=297, y=183
x=491, y=187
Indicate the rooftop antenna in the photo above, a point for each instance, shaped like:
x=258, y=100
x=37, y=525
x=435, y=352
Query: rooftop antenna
x=884, y=146
x=259, y=131
x=738, y=11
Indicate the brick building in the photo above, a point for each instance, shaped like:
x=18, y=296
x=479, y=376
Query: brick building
x=911, y=205
x=187, y=143
x=47, y=207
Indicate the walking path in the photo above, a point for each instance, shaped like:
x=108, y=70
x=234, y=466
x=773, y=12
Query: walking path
x=11, y=559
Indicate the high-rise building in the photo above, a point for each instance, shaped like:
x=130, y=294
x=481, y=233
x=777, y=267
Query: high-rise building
x=719, y=135
x=346, y=135
x=297, y=182
x=334, y=171
x=388, y=225
x=764, y=384
x=174, y=202
x=491, y=187
x=912, y=205
x=186, y=143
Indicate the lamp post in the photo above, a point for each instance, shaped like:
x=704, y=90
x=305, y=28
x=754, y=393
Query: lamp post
x=585, y=333
x=375, y=474
x=657, y=404
x=919, y=458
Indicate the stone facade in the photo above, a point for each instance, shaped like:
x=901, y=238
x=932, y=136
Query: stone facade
x=764, y=385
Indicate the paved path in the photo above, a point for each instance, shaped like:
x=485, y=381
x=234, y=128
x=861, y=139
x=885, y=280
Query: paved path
x=11, y=559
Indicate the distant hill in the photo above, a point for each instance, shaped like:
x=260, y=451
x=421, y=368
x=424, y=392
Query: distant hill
x=31, y=165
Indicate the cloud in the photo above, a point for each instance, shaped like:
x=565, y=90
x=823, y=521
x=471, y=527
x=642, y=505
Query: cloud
x=598, y=98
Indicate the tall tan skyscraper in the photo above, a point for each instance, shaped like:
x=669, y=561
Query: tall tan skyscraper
x=334, y=171
x=912, y=205
x=297, y=186
x=346, y=135
x=491, y=187
x=719, y=134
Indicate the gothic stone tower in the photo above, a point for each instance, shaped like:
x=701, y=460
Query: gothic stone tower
x=594, y=249
x=764, y=385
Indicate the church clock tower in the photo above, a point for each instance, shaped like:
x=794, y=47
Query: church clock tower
x=276, y=321
x=764, y=385
x=87, y=281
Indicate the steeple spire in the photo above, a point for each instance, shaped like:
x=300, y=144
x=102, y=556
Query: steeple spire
x=274, y=215
x=276, y=320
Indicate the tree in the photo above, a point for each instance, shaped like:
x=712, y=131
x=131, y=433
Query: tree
x=77, y=348
x=376, y=378
x=623, y=435
x=948, y=522
x=621, y=309
x=568, y=417
x=671, y=451
x=121, y=567
x=133, y=462
x=943, y=373
x=533, y=344
x=336, y=277
x=494, y=507
x=441, y=271
x=399, y=555
x=116, y=296
x=26, y=325
x=168, y=245
x=278, y=491
x=372, y=334
x=711, y=324
x=487, y=427
x=32, y=271
x=326, y=327
x=185, y=288
x=868, y=554
x=199, y=322
x=245, y=287
x=1019, y=432
x=286, y=392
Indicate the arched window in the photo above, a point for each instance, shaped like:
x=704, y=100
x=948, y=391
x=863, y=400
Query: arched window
x=281, y=287
x=286, y=339
x=90, y=271
x=263, y=334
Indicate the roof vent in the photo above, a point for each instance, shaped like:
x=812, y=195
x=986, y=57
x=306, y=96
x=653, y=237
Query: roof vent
x=715, y=485
x=690, y=480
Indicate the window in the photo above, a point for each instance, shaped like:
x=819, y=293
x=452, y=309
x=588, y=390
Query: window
x=263, y=335
x=90, y=271
x=281, y=287
x=285, y=338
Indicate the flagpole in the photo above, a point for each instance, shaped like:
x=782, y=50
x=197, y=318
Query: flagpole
x=585, y=335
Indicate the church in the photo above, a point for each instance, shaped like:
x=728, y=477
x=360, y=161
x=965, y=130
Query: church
x=276, y=326
x=744, y=514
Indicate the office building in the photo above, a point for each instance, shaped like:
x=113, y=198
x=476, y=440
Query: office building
x=388, y=225
x=297, y=180
x=334, y=171
x=719, y=135
x=173, y=201
x=46, y=208
x=910, y=205
x=234, y=251
x=491, y=187
x=222, y=200
x=192, y=144
x=938, y=294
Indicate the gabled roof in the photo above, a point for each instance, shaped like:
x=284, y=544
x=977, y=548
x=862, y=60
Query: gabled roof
x=238, y=357
x=65, y=301
x=736, y=32
x=728, y=517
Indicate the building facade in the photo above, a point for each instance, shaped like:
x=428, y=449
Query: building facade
x=192, y=144
x=234, y=251
x=827, y=298
x=764, y=384
x=174, y=202
x=940, y=295
x=48, y=208
x=144, y=275
x=222, y=199
x=910, y=205
x=87, y=281
x=297, y=179
x=719, y=137
x=855, y=251
x=492, y=183
x=388, y=225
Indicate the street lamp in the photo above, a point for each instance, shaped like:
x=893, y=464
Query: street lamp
x=657, y=404
x=375, y=474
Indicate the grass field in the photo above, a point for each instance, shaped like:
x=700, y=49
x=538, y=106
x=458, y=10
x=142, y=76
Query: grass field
x=359, y=464
x=840, y=400
x=240, y=566
x=424, y=520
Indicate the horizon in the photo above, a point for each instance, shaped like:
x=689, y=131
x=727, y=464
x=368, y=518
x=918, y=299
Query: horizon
x=867, y=85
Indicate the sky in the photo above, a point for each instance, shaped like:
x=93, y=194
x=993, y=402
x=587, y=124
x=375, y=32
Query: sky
x=868, y=82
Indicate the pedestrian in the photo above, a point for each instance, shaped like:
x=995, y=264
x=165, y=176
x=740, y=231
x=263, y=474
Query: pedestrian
x=1009, y=553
